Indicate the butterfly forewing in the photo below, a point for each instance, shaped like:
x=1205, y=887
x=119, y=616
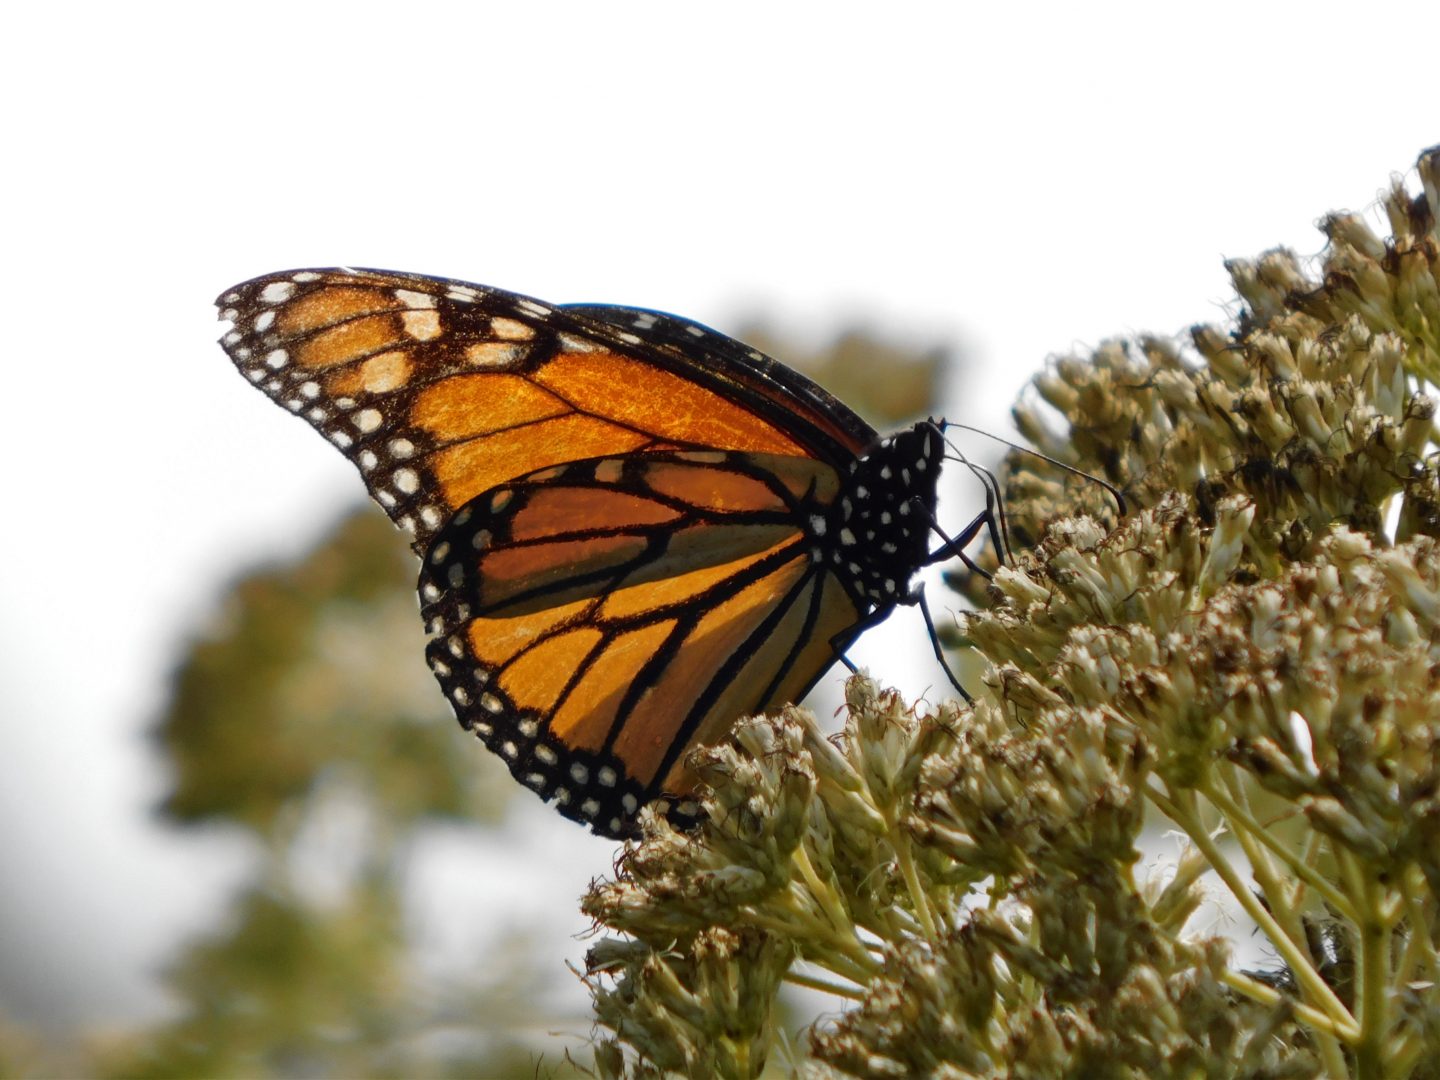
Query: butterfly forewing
x=439, y=391
x=769, y=387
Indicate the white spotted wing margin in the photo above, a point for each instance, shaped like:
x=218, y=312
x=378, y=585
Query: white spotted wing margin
x=594, y=623
x=365, y=356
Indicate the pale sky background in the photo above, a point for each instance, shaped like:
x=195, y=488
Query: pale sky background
x=1011, y=180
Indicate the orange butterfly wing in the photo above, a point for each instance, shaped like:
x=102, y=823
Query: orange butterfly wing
x=593, y=622
x=438, y=390
x=623, y=517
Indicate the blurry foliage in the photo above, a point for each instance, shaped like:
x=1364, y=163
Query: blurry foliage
x=307, y=703
x=887, y=383
x=314, y=669
x=307, y=711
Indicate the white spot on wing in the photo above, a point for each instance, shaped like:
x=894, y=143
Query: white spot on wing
x=414, y=300
x=511, y=329
x=571, y=343
x=422, y=325
x=493, y=353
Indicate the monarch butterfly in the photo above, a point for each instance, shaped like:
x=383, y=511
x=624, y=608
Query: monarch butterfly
x=633, y=530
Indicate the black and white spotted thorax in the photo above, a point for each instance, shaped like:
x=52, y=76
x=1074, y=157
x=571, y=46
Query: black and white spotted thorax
x=876, y=534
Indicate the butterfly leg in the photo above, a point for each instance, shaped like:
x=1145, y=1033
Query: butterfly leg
x=956, y=547
x=878, y=616
x=935, y=644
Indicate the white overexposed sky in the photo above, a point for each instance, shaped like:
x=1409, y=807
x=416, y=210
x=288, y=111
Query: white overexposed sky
x=1012, y=180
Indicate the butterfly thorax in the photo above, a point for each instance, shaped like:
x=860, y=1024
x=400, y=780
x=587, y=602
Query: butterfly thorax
x=876, y=534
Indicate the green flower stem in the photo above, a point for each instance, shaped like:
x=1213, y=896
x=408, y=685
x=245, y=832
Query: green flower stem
x=850, y=993
x=1405, y=1053
x=916, y=889
x=1328, y=1035
x=1243, y=824
x=1321, y=1022
x=1373, y=984
x=1313, y=848
x=825, y=897
x=900, y=923
x=1298, y=960
x=847, y=958
x=1262, y=868
x=1419, y=960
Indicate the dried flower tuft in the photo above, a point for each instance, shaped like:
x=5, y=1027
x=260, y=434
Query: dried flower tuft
x=1249, y=659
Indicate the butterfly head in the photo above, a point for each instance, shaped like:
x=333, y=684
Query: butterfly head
x=880, y=524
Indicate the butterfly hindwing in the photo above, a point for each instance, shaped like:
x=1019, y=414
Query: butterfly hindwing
x=593, y=622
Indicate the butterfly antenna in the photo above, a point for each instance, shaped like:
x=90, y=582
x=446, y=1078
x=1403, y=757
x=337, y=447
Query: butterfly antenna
x=995, y=504
x=994, y=516
x=1111, y=488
